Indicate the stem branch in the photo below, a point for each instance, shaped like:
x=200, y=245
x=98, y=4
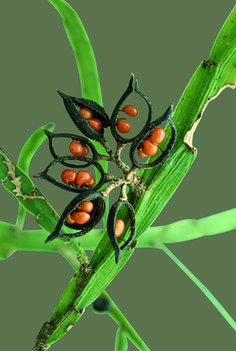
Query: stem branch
x=201, y=286
x=120, y=319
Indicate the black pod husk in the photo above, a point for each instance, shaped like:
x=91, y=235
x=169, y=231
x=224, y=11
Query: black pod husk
x=111, y=228
x=101, y=305
x=99, y=207
x=88, y=161
x=82, y=124
x=116, y=110
x=165, y=118
x=82, y=140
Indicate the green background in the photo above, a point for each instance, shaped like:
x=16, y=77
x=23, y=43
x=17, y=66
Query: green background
x=162, y=43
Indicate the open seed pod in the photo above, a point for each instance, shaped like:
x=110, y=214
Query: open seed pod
x=131, y=88
x=81, y=123
x=165, y=118
x=95, y=215
x=82, y=140
x=112, y=231
x=86, y=161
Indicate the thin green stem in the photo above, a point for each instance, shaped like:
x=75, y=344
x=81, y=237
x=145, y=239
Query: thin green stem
x=33, y=240
x=201, y=286
x=20, y=220
x=189, y=229
x=25, y=156
x=31, y=146
x=121, y=340
x=82, y=49
x=120, y=319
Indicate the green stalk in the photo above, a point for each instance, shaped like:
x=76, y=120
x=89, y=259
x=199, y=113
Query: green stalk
x=124, y=324
x=189, y=229
x=82, y=49
x=13, y=240
x=121, y=340
x=201, y=286
x=26, y=154
x=32, y=145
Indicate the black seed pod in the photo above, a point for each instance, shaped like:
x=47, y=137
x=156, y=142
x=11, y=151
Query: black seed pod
x=82, y=140
x=114, y=115
x=86, y=160
x=83, y=125
x=111, y=228
x=101, y=305
x=97, y=213
x=165, y=118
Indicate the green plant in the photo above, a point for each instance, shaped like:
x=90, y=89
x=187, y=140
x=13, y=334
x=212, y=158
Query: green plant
x=169, y=178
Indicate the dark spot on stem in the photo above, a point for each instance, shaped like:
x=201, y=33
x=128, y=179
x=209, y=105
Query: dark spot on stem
x=207, y=63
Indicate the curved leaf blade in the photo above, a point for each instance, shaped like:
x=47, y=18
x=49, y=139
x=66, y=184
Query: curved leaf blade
x=82, y=49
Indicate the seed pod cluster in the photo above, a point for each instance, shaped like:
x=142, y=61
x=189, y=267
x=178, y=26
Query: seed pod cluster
x=88, y=207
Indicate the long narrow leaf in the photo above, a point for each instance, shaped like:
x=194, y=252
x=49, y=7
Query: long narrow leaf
x=200, y=285
x=82, y=49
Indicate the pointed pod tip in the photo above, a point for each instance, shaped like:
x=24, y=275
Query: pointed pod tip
x=171, y=107
x=51, y=237
x=118, y=256
x=169, y=111
x=63, y=95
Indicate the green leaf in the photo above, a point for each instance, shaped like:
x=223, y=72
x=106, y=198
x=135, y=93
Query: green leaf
x=17, y=182
x=207, y=82
x=82, y=49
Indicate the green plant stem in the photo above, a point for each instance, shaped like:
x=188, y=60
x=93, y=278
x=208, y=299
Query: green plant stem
x=20, y=220
x=120, y=319
x=187, y=229
x=201, y=286
x=33, y=240
x=82, y=49
x=121, y=340
x=25, y=156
